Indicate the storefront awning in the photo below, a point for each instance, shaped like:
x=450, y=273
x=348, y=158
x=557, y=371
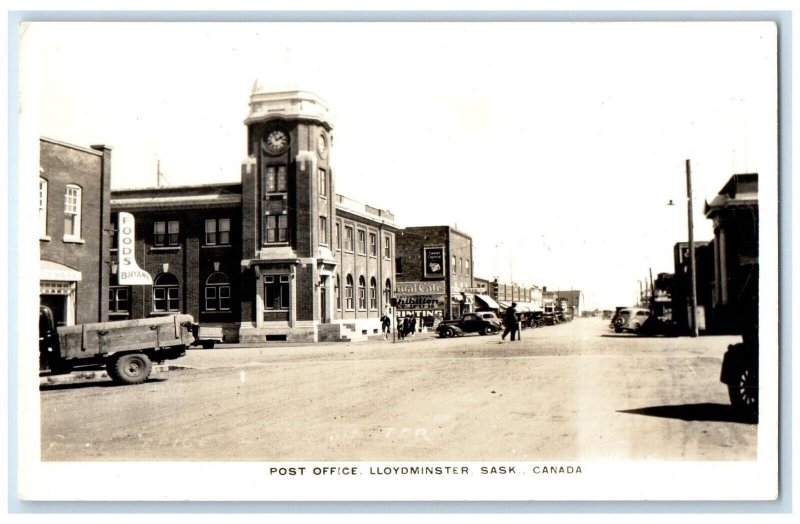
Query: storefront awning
x=55, y=272
x=488, y=301
x=466, y=297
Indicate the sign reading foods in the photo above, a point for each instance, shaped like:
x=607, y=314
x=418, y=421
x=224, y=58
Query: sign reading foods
x=129, y=273
x=434, y=262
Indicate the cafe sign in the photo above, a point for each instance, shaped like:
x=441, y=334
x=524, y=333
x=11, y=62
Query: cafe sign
x=420, y=288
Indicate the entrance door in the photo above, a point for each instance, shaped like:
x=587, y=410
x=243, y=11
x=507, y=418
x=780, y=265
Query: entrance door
x=323, y=300
x=58, y=305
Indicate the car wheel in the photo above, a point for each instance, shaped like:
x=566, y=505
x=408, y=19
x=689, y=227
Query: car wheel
x=133, y=368
x=448, y=332
x=744, y=393
x=617, y=330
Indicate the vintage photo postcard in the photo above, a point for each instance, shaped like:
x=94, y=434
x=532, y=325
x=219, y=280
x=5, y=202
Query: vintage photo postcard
x=359, y=261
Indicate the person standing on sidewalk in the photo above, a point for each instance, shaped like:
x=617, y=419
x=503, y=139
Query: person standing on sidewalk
x=510, y=321
x=386, y=326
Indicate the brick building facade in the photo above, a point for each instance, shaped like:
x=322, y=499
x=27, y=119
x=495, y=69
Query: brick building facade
x=74, y=231
x=446, y=291
x=279, y=256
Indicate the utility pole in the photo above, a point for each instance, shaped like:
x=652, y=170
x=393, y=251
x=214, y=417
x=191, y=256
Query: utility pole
x=692, y=269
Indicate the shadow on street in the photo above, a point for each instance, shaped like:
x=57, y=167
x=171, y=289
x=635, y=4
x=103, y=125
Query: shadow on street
x=98, y=384
x=706, y=412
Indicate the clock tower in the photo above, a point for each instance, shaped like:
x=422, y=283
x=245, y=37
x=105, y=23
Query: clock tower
x=288, y=214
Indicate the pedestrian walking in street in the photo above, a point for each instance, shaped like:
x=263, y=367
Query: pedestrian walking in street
x=401, y=332
x=413, y=325
x=510, y=320
x=386, y=326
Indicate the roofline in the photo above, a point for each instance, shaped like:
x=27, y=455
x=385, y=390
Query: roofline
x=73, y=146
x=168, y=188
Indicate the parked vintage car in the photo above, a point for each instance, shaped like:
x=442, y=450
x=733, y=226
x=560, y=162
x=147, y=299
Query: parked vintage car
x=483, y=322
x=630, y=319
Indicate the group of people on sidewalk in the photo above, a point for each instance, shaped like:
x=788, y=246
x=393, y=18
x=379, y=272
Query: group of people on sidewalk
x=406, y=326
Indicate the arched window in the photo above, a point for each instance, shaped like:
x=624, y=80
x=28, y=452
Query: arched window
x=165, y=293
x=362, y=292
x=337, y=293
x=348, y=293
x=72, y=212
x=373, y=293
x=387, y=293
x=217, y=292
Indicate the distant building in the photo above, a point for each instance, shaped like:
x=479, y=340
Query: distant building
x=574, y=300
x=734, y=212
x=434, y=272
x=74, y=231
x=681, y=285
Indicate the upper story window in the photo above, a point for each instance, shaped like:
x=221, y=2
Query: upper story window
x=338, y=236
x=323, y=185
x=466, y=266
x=166, y=233
x=348, y=238
x=387, y=247
x=362, y=242
x=373, y=244
x=323, y=230
x=277, y=220
x=218, y=232
x=276, y=179
x=72, y=212
x=42, y=207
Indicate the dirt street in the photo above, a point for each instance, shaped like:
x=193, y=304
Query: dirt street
x=568, y=392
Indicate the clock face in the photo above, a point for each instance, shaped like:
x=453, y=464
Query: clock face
x=276, y=141
x=322, y=146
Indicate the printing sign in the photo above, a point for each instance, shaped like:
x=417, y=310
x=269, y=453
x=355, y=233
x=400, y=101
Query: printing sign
x=129, y=273
x=434, y=262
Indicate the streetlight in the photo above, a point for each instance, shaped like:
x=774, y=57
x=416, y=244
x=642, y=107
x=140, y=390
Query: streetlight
x=692, y=271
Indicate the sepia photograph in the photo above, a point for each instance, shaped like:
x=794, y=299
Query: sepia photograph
x=398, y=260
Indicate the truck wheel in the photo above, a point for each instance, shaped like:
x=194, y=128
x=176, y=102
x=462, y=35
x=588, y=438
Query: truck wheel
x=133, y=368
x=744, y=392
x=208, y=344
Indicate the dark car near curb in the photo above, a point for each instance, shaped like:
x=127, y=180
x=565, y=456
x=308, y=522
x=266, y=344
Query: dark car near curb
x=484, y=322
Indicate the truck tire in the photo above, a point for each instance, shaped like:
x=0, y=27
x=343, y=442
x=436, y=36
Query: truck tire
x=207, y=344
x=131, y=368
x=744, y=391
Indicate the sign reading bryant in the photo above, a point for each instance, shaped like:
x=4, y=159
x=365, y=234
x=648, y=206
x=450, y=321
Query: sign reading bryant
x=433, y=260
x=129, y=272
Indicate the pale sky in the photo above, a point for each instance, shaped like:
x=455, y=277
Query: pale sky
x=556, y=146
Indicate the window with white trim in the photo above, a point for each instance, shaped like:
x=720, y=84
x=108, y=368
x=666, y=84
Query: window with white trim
x=362, y=242
x=348, y=238
x=337, y=293
x=323, y=230
x=165, y=293
x=373, y=244
x=119, y=299
x=362, y=293
x=387, y=247
x=276, y=292
x=217, y=292
x=323, y=186
x=348, y=293
x=166, y=234
x=72, y=212
x=373, y=294
x=387, y=292
x=218, y=232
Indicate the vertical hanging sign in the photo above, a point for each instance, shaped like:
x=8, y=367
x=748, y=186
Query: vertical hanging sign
x=129, y=273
